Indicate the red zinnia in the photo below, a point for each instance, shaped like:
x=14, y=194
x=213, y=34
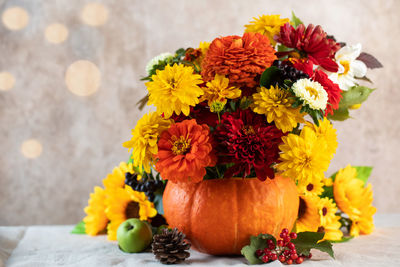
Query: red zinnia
x=201, y=112
x=241, y=59
x=313, y=41
x=184, y=152
x=246, y=140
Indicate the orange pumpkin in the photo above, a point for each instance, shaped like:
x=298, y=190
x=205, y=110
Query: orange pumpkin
x=220, y=215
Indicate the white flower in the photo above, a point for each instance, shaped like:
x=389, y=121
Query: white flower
x=312, y=93
x=154, y=61
x=349, y=67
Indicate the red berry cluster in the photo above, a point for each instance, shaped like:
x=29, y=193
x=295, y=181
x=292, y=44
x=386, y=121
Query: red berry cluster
x=283, y=250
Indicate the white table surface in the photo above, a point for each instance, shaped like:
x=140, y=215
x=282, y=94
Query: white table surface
x=54, y=246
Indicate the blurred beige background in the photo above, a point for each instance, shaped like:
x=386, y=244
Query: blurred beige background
x=61, y=131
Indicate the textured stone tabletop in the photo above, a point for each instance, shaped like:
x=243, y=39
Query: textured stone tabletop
x=55, y=246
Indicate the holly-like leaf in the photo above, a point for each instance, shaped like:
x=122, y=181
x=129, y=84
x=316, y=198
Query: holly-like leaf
x=369, y=60
x=363, y=172
x=306, y=241
x=295, y=20
x=79, y=228
x=256, y=242
x=268, y=76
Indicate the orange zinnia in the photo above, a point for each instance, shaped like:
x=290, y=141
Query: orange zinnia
x=184, y=150
x=241, y=59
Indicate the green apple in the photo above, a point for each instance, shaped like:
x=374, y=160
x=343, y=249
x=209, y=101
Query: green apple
x=134, y=235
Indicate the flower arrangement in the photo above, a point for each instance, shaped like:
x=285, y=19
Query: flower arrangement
x=252, y=106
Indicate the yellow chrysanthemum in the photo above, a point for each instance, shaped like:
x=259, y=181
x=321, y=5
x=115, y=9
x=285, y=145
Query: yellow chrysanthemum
x=268, y=25
x=174, y=89
x=144, y=139
x=276, y=105
x=218, y=90
x=308, y=217
x=125, y=203
x=116, y=179
x=303, y=157
x=332, y=229
x=312, y=187
x=353, y=198
x=96, y=219
x=312, y=93
x=326, y=210
x=325, y=131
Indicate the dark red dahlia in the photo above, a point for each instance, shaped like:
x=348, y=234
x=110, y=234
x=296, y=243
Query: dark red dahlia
x=247, y=140
x=313, y=41
x=333, y=90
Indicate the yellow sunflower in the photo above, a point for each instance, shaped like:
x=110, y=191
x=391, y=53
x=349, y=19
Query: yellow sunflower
x=218, y=90
x=303, y=157
x=144, y=139
x=332, y=229
x=327, y=210
x=174, y=89
x=353, y=198
x=312, y=187
x=308, y=217
x=276, y=105
x=125, y=203
x=326, y=132
x=96, y=219
x=268, y=25
x=116, y=179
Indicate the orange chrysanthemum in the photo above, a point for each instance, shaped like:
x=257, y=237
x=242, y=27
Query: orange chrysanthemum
x=240, y=59
x=184, y=150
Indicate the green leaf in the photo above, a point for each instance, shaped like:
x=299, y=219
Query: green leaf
x=79, y=228
x=306, y=241
x=340, y=114
x=355, y=95
x=256, y=242
x=344, y=239
x=267, y=77
x=363, y=172
x=158, y=203
x=295, y=20
x=282, y=48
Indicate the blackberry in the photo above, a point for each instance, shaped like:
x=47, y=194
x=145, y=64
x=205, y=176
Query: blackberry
x=146, y=184
x=288, y=72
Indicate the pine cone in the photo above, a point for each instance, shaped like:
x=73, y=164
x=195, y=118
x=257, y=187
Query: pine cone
x=170, y=247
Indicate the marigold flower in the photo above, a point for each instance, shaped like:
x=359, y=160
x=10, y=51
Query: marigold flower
x=268, y=25
x=174, y=89
x=144, y=139
x=184, y=151
x=240, y=59
x=276, y=105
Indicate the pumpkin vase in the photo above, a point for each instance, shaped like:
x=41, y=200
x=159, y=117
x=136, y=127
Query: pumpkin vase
x=220, y=215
